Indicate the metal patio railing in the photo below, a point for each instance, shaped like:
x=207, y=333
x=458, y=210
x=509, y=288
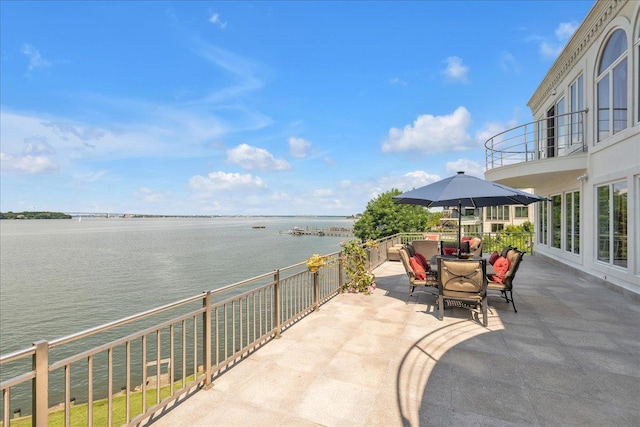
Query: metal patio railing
x=74, y=380
x=554, y=136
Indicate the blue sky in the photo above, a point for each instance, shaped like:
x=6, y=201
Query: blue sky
x=252, y=108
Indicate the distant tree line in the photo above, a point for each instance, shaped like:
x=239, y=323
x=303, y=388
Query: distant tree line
x=34, y=215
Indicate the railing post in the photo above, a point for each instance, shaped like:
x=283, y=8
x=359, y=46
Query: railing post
x=531, y=242
x=340, y=272
x=40, y=385
x=526, y=144
x=493, y=155
x=316, y=290
x=206, y=340
x=583, y=138
x=278, y=301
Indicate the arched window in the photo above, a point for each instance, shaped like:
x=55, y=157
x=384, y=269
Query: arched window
x=612, y=86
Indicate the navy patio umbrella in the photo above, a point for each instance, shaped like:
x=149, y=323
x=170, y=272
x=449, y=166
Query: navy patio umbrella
x=468, y=191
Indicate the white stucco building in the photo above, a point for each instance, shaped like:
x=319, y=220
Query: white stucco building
x=583, y=150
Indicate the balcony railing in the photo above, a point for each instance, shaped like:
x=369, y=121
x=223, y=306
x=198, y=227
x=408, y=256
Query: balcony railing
x=101, y=376
x=554, y=136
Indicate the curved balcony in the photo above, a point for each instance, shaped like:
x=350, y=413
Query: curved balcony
x=550, y=148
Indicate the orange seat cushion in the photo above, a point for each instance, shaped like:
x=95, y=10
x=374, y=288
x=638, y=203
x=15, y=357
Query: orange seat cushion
x=417, y=268
x=501, y=266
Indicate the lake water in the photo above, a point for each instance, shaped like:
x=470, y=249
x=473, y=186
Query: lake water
x=58, y=277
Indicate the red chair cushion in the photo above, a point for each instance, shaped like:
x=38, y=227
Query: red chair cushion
x=422, y=260
x=501, y=266
x=417, y=268
x=493, y=257
x=449, y=251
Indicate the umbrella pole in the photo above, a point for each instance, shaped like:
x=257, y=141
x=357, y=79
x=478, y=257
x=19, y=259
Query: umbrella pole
x=459, y=227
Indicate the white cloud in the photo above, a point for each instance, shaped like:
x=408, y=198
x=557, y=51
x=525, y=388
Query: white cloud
x=565, y=30
x=37, y=145
x=330, y=161
x=508, y=62
x=323, y=192
x=353, y=196
x=28, y=164
x=279, y=196
x=215, y=19
x=222, y=181
x=35, y=58
x=397, y=81
x=456, y=71
x=491, y=129
x=244, y=70
x=298, y=147
x=166, y=133
x=86, y=178
x=469, y=167
x=430, y=134
x=145, y=130
x=254, y=158
x=150, y=196
x=551, y=49
x=66, y=130
x=406, y=182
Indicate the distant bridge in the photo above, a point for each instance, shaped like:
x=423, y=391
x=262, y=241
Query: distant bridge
x=95, y=214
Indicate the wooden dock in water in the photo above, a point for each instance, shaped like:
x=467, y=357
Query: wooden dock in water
x=330, y=231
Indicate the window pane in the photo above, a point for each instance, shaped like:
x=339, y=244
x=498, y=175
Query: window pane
x=603, y=223
x=561, y=126
x=556, y=220
x=603, y=108
x=579, y=135
x=568, y=203
x=616, y=46
x=577, y=104
x=542, y=222
x=580, y=93
x=576, y=222
x=620, y=224
x=620, y=96
x=522, y=211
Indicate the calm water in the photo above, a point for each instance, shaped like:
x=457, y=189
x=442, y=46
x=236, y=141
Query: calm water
x=59, y=277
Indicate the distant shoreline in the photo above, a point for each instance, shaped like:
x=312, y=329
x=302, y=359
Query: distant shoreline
x=63, y=215
x=34, y=215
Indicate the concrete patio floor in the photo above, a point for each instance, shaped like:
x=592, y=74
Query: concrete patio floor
x=569, y=356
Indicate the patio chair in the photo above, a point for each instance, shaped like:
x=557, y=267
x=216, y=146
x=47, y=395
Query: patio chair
x=451, y=248
x=504, y=283
x=428, y=248
x=462, y=283
x=475, y=245
x=429, y=280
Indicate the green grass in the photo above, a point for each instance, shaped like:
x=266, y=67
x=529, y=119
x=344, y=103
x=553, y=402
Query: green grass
x=100, y=411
